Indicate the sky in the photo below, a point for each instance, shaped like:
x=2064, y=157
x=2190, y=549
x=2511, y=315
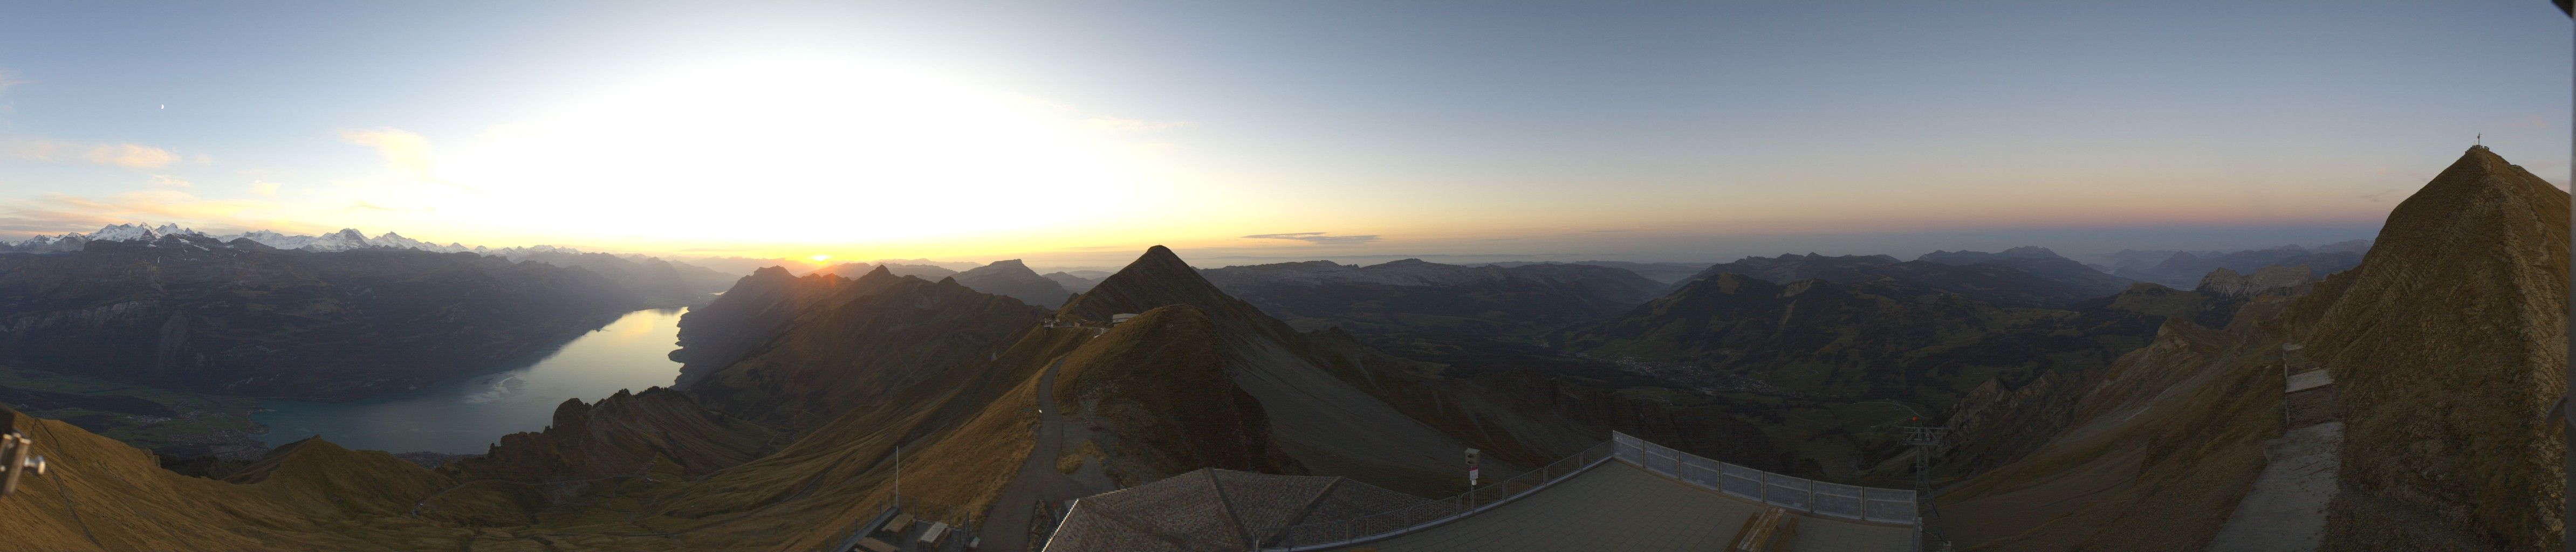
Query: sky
x=1078, y=133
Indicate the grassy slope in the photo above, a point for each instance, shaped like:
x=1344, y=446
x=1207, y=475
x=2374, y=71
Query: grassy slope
x=202, y=414
x=104, y=495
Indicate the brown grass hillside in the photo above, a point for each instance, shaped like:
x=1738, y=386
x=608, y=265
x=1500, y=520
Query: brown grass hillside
x=103, y=495
x=2445, y=349
x=1159, y=380
x=2448, y=348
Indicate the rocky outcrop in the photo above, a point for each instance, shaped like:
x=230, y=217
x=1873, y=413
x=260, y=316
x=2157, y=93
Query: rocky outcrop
x=658, y=431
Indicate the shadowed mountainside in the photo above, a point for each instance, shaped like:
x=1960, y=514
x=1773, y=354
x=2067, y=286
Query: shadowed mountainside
x=755, y=309
x=1012, y=279
x=187, y=312
x=2446, y=345
x=852, y=349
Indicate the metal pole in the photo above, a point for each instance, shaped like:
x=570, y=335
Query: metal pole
x=898, y=478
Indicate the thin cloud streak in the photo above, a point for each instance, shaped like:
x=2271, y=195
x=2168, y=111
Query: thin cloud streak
x=1317, y=238
x=133, y=156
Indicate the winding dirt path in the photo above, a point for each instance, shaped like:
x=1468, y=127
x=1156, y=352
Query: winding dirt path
x=1006, y=527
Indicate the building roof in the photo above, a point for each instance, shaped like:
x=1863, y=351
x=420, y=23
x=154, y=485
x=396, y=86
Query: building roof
x=1214, y=510
x=1619, y=506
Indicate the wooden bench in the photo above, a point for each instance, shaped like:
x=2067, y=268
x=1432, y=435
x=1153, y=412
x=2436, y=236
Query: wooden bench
x=871, y=544
x=933, y=537
x=898, y=525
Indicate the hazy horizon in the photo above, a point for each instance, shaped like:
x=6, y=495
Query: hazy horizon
x=1077, y=135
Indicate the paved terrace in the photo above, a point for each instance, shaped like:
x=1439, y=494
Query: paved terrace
x=1627, y=494
x=1618, y=506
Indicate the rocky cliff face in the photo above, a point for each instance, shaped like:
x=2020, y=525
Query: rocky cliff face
x=2447, y=348
x=241, y=318
x=656, y=432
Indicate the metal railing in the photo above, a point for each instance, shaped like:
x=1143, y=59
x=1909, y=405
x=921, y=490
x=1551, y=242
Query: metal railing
x=886, y=508
x=1871, y=504
x=1327, y=534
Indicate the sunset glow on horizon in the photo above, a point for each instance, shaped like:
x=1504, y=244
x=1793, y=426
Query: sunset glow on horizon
x=1079, y=135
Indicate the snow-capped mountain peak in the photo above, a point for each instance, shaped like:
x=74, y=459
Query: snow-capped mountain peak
x=343, y=240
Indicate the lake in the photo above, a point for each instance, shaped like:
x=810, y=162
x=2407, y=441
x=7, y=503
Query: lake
x=466, y=415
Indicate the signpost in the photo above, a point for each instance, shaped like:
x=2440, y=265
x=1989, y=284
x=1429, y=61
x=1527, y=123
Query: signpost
x=1471, y=467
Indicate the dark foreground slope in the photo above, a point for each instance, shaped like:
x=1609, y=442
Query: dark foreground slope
x=102, y=495
x=2446, y=346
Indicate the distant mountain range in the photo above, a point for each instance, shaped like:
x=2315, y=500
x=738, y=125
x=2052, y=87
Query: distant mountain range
x=1666, y=273
x=343, y=240
x=1414, y=296
x=2183, y=268
x=662, y=282
x=1007, y=277
x=2019, y=277
x=186, y=311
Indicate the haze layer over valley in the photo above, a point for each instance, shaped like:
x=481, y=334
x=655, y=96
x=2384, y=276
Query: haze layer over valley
x=1285, y=277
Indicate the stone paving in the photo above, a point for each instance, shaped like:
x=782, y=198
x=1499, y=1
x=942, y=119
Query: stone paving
x=1617, y=506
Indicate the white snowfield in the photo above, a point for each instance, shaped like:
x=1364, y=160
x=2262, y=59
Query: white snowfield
x=343, y=240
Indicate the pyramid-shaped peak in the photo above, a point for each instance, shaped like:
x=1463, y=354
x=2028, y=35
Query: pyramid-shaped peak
x=1157, y=259
x=1156, y=278
x=1001, y=267
x=2477, y=175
